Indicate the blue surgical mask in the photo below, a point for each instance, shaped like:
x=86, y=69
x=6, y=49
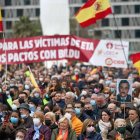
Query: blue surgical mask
x=14, y=120
x=23, y=116
x=112, y=89
x=32, y=107
x=77, y=111
x=47, y=96
x=93, y=102
x=108, y=82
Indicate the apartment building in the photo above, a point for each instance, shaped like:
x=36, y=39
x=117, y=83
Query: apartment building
x=124, y=23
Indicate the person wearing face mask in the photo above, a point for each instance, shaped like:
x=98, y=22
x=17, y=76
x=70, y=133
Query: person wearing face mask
x=23, y=96
x=50, y=120
x=32, y=106
x=75, y=121
x=88, y=131
x=8, y=129
x=79, y=111
x=25, y=115
x=38, y=131
x=91, y=111
x=101, y=102
x=119, y=132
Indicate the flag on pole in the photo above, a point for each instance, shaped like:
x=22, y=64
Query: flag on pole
x=32, y=78
x=92, y=11
x=33, y=81
x=136, y=61
x=1, y=25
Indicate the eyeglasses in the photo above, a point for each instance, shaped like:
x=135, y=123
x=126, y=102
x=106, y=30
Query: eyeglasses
x=90, y=125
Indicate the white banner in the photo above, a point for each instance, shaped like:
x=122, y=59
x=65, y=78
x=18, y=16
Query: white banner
x=111, y=54
x=54, y=17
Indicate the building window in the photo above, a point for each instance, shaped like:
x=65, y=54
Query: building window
x=27, y=2
x=117, y=34
x=125, y=21
x=117, y=9
x=19, y=12
x=8, y=2
x=105, y=22
x=37, y=12
x=8, y=25
x=3, y=13
x=84, y=1
x=137, y=9
x=76, y=9
x=137, y=33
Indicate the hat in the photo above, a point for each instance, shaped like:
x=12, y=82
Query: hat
x=35, y=101
x=24, y=106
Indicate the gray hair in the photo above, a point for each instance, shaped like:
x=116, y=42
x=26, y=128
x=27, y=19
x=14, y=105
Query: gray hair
x=70, y=94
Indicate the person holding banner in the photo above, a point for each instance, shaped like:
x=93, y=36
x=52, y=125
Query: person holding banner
x=123, y=89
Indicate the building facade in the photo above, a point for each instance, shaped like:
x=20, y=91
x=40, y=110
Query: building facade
x=124, y=24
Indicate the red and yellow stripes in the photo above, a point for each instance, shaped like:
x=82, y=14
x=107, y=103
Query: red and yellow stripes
x=92, y=11
x=1, y=25
x=136, y=61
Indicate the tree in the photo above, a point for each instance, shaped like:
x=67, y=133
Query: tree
x=26, y=28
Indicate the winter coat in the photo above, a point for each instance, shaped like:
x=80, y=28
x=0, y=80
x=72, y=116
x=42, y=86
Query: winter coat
x=129, y=127
x=71, y=134
x=45, y=133
x=136, y=132
x=9, y=132
x=76, y=125
x=28, y=122
x=91, y=136
x=113, y=134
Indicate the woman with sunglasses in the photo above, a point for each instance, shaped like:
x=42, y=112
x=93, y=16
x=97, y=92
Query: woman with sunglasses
x=88, y=131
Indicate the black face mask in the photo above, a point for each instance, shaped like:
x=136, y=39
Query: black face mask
x=57, y=117
x=88, y=112
x=11, y=93
x=48, y=122
x=21, y=100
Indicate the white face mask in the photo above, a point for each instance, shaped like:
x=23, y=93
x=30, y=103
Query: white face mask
x=14, y=107
x=36, y=121
x=90, y=129
x=18, y=139
x=68, y=116
x=27, y=87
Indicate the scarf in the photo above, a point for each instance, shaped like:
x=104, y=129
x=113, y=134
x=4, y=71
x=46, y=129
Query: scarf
x=63, y=135
x=36, y=134
x=104, y=126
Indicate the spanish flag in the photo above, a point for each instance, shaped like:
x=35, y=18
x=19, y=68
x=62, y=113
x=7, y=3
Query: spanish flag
x=136, y=61
x=92, y=11
x=1, y=26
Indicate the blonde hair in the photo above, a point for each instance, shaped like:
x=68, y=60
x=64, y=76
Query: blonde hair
x=119, y=120
x=51, y=115
x=86, y=123
x=65, y=118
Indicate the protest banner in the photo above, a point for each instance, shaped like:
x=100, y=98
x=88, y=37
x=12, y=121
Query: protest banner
x=42, y=48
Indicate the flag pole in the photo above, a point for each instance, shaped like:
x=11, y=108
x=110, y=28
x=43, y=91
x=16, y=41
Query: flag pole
x=6, y=59
x=120, y=37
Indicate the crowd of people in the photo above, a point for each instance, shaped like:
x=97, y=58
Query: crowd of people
x=71, y=102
